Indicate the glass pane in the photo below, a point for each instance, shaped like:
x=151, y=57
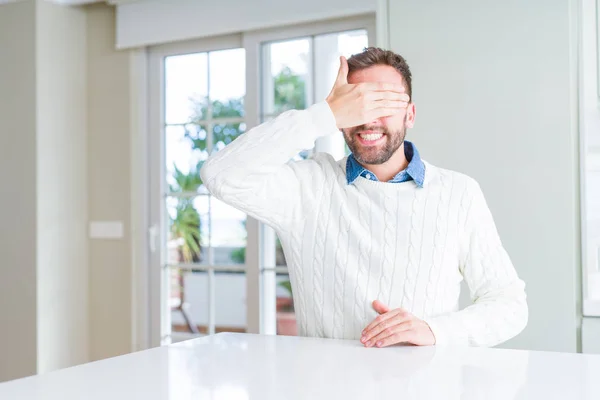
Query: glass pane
x=228, y=234
x=186, y=87
x=279, y=256
x=227, y=82
x=185, y=152
x=344, y=43
x=346, y=150
x=303, y=155
x=286, y=317
x=328, y=49
x=189, y=301
x=287, y=72
x=230, y=302
x=189, y=230
x=191, y=289
x=223, y=134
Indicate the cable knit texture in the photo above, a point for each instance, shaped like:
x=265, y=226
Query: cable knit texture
x=347, y=245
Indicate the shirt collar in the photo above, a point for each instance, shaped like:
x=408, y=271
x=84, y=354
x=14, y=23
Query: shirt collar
x=415, y=169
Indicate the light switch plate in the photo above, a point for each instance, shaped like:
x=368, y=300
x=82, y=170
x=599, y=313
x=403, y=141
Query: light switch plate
x=106, y=230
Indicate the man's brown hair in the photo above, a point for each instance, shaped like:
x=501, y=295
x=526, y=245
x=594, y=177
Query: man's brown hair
x=371, y=56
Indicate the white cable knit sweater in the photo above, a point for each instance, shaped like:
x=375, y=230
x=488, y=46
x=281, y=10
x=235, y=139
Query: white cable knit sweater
x=347, y=245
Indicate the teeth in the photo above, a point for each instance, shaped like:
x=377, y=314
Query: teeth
x=371, y=136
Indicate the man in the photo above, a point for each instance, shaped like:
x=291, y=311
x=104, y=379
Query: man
x=378, y=242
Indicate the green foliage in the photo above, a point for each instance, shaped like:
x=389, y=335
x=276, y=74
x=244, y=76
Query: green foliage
x=239, y=255
x=186, y=224
x=189, y=182
x=223, y=134
x=287, y=285
x=290, y=91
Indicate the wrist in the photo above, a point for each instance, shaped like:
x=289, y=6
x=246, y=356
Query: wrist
x=332, y=110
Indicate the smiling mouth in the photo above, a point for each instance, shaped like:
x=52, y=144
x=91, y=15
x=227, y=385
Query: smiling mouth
x=369, y=136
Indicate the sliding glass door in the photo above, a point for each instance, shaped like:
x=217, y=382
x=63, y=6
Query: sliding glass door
x=212, y=268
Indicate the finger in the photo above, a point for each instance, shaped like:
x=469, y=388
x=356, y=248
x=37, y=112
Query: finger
x=384, y=329
x=377, y=113
x=380, y=318
x=405, y=336
x=342, y=76
x=380, y=307
x=381, y=87
x=382, y=323
x=392, y=104
x=383, y=95
x=394, y=330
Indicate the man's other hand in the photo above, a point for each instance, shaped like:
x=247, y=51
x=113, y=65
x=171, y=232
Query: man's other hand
x=396, y=326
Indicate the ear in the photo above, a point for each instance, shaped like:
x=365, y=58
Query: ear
x=411, y=113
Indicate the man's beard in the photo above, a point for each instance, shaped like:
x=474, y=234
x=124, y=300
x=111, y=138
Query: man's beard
x=376, y=154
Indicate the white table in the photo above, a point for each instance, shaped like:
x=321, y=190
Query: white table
x=242, y=366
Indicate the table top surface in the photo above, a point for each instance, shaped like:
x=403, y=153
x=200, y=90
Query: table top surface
x=245, y=366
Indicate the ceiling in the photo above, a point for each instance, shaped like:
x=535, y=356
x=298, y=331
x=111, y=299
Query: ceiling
x=82, y=2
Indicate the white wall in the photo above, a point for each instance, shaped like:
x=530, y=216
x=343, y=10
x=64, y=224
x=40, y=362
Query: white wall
x=590, y=125
x=160, y=21
x=43, y=209
x=590, y=106
x=493, y=85
x=62, y=300
x=18, y=191
x=108, y=147
x=590, y=333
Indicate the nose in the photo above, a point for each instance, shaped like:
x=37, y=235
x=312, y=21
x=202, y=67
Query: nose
x=378, y=122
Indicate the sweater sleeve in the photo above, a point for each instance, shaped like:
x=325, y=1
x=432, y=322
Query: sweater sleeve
x=499, y=310
x=254, y=173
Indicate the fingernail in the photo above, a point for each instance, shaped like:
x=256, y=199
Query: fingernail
x=363, y=339
x=368, y=344
x=379, y=344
